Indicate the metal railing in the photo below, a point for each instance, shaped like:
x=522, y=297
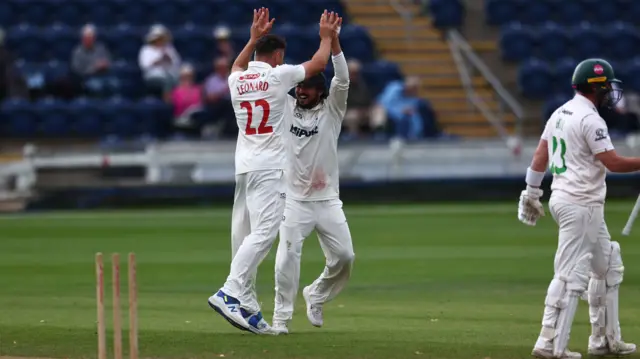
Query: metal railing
x=468, y=64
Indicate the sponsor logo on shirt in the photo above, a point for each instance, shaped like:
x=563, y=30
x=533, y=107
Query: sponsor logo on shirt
x=601, y=134
x=299, y=132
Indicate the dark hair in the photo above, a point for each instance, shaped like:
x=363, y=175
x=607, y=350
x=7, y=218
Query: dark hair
x=268, y=44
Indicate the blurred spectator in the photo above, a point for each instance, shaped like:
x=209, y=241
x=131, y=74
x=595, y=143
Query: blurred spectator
x=186, y=99
x=90, y=62
x=218, y=98
x=224, y=45
x=159, y=61
x=357, y=118
x=216, y=86
x=411, y=116
x=12, y=83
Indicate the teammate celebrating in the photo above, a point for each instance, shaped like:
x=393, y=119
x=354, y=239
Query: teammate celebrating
x=576, y=145
x=315, y=118
x=258, y=94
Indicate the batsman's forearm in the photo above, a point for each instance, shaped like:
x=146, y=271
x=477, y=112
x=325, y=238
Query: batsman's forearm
x=624, y=165
x=242, y=61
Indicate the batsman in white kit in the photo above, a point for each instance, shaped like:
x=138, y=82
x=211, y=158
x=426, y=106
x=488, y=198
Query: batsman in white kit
x=313, y=198
x=576, y=146
x=259, y=93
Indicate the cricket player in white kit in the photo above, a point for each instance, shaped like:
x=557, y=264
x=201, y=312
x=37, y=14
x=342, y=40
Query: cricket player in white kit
x=313, y=201
x=576, y=146
x=259, y=96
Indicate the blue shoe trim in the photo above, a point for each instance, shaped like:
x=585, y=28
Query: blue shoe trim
x=230, y=300
x=255, y=319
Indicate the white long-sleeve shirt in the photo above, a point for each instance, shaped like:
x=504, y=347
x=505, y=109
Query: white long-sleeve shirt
x=312, y=146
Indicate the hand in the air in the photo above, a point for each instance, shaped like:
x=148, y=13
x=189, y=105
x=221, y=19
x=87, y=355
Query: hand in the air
x=529, y=208
x=261, y=23
x=329, y=23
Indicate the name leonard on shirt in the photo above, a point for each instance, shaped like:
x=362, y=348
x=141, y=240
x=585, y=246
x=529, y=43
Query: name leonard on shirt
x=253, y=86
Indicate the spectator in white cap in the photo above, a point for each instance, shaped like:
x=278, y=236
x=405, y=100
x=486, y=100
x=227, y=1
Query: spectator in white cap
x=159, y=61
x=224, y=45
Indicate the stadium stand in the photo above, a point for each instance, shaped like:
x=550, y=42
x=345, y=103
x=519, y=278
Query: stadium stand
x=42, y=35
x=547, y=38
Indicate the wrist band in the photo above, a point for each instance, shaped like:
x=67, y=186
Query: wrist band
x=534, y=178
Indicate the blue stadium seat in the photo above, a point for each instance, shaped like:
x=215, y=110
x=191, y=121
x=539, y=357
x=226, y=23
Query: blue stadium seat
x=193, y=43
x=622, y=40
x=169, y=12
x=358, y=42
x=633, y=75
x=134, y=12
x=87, y=117
x=571, y=11
x=535, y=78
x=446, y=13
x=26, y=41
x=33, y=74
x=206, y=13
x=54, y=117
x=122, y=118
x=553, y=41
x=535, y=12
x=8, y=16
x=154, y=116
x=587, y=41
x=500, y=12
x=34, y=12
x=605, y=11
x=63, y=39
x=297, y=41
x=562, y=75
x=102, y=13
x=630, y=11
x=20, y=117
x=378, y=74
x=516, y=42
x=130, y=78
x=70, y=13
x=55, y=71
x=124, y=41
x=552, y=103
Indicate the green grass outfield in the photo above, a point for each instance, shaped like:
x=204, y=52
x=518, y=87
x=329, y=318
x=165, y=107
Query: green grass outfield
x=434, y=281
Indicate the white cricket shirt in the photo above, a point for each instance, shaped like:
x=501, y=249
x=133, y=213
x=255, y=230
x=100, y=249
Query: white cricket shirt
x=259, y=97
x=575, y=133
x=312, y=171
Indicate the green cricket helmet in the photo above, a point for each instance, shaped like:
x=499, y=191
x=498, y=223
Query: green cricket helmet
x=596, y=76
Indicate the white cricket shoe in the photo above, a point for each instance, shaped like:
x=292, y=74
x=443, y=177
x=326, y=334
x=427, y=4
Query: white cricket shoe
x=314, y=311
x=280, y=327
x=618, y=348
x=548, y=354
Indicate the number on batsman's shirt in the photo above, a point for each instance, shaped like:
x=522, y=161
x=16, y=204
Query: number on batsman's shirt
x=259, y=96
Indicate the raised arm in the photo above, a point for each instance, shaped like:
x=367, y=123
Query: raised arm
x=329, y=23
x=339, y=91
x=260, y=26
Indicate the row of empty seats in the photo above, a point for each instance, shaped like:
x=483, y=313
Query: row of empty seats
x=537, y=78
x=551, y=41
x=169, y=12
x=446, y=13
x=192, y=42
x=499, y=12
x=85, y=117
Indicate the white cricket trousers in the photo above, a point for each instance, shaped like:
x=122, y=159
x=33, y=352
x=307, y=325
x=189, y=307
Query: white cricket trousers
x=329, y=221
x=257, y=214
x=582, y=231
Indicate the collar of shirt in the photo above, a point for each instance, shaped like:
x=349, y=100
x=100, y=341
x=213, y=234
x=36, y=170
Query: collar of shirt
x=259, y=64
x=585, y=101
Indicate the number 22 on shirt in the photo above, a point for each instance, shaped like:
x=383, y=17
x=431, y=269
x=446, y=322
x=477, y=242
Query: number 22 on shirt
x=262, y=128
x=559, y=150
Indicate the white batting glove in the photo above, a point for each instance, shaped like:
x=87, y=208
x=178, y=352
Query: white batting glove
x=529, y=208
